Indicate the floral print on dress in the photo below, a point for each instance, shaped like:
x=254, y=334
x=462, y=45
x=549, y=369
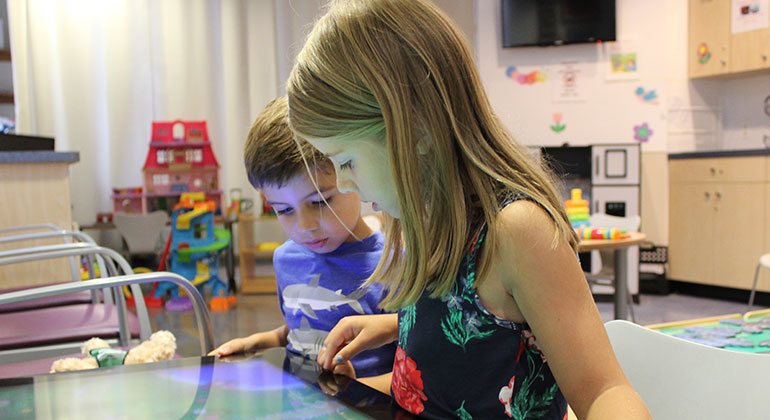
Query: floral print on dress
x=526, y=402
x=532, y=342
x=407, y=383
x=405, y=323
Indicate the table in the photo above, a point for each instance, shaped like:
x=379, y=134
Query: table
x=270, y=385
x=621, y=247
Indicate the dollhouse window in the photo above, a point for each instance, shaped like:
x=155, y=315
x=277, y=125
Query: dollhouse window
x=160, y=179
x=161, y=156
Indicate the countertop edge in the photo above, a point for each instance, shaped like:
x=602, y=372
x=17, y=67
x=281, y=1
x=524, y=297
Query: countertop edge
x=37, y=156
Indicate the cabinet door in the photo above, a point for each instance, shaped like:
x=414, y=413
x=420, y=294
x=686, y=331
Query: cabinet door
x=709, y=37
x=750, y=50
x=691, y=227
x=739, y=233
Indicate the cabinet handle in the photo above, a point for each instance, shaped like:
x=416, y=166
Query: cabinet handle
x=764, y=57
x=718, y=195
x=707, y=194
x=596, y=165
x=713, y=171
x=724, y=63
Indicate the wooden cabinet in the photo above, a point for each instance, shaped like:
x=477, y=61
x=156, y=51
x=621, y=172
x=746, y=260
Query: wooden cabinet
x=718, y=213
x=256, y=267
x=708, y=47
x=713, y=50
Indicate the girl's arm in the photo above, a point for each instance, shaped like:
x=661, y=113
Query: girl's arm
x=354, y=334
x=261, y=340
x=380, y=383
x=548, y=289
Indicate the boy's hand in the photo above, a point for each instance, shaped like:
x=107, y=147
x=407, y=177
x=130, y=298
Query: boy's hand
x=236, y=345
x=354, y=334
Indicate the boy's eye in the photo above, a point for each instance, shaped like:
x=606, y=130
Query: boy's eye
x=321, y=203
x=347, y=165
x=283, y=211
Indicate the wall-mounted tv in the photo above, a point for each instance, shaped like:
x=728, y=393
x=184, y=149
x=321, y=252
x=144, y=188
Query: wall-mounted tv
x=557, y=22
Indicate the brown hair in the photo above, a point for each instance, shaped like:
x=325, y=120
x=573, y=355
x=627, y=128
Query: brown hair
x=272, y=155
x=399, y=70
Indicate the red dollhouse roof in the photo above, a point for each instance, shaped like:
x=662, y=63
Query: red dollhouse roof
x=194, y=148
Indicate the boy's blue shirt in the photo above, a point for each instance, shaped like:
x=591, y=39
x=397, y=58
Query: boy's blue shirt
x=315, y=291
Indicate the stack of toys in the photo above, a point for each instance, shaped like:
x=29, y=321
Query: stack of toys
x=584, y=232
x=577, y=209
x=195, y=248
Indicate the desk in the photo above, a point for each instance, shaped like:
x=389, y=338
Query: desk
x=190, y=388
x=621, y=247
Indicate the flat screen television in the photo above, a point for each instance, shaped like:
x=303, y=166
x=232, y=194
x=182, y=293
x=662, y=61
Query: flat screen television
x=557, y=22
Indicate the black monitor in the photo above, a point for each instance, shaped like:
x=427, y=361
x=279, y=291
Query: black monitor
x=557, y=22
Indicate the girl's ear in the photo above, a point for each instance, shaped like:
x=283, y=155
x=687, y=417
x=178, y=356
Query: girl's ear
x=423, y=146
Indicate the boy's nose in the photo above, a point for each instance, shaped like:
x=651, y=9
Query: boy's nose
x=307, y=222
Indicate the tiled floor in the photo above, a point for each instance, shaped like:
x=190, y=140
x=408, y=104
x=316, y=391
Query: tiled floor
x=260, y=312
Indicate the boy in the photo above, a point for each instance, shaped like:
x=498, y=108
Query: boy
x=331, y=251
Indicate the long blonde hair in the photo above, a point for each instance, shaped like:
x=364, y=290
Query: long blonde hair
x=399, y=70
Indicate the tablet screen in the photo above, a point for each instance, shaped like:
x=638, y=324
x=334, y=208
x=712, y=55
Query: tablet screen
x=193, y=388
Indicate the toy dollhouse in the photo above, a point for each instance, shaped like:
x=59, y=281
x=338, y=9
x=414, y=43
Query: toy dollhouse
x=174, y=165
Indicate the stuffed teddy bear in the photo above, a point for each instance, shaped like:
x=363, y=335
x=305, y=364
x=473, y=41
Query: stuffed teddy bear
x=160, y=346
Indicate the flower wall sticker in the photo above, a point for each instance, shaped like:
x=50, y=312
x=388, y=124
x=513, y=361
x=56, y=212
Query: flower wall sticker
x=526, y=78
x=557, y=126
x=704, y=55
x=642, y=132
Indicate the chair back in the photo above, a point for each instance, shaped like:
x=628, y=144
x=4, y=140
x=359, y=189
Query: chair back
x=141, y=232
x=679, y=379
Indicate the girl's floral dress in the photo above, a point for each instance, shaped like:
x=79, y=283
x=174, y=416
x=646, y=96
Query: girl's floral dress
x=456, y=360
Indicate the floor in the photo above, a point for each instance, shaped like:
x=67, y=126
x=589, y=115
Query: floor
x=260, y=312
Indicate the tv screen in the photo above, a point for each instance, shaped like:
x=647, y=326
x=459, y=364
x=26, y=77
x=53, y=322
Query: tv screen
x=557, y=22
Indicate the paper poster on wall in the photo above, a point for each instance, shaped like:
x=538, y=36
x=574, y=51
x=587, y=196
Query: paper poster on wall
x=622, y=60
x=749, y=15
x=567, y=83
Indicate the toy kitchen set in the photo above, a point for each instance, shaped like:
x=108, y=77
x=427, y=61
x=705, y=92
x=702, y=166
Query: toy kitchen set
x=609, y=176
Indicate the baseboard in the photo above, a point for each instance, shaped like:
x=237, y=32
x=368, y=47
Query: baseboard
x=718, y=292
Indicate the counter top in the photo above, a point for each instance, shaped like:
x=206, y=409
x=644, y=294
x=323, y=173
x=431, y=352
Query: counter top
x=38, y=156
x=720, y=153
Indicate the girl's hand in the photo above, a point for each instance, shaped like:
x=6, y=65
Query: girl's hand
x=354, y=334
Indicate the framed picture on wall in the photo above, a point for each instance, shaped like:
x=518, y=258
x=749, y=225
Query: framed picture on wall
x=622, y=60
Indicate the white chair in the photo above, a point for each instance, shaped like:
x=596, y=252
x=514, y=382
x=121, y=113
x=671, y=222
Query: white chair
x=142, y=232
x=679, y=379
x=764, y=261
x=603, y=262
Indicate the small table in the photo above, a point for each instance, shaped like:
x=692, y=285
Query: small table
x=621, y=247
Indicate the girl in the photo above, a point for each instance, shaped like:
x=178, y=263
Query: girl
x=480, y=261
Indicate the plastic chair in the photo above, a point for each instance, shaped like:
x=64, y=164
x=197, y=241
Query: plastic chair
x=764, y=261
x=141, y=232
x=679, y=379
x=61, y=330
x=42, y=365
x=602, y=263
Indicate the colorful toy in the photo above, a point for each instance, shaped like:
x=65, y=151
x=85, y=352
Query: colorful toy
x=174, y=165
x=584, y=232
x=195, y=248
x=160, y=346
x=577, y=209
